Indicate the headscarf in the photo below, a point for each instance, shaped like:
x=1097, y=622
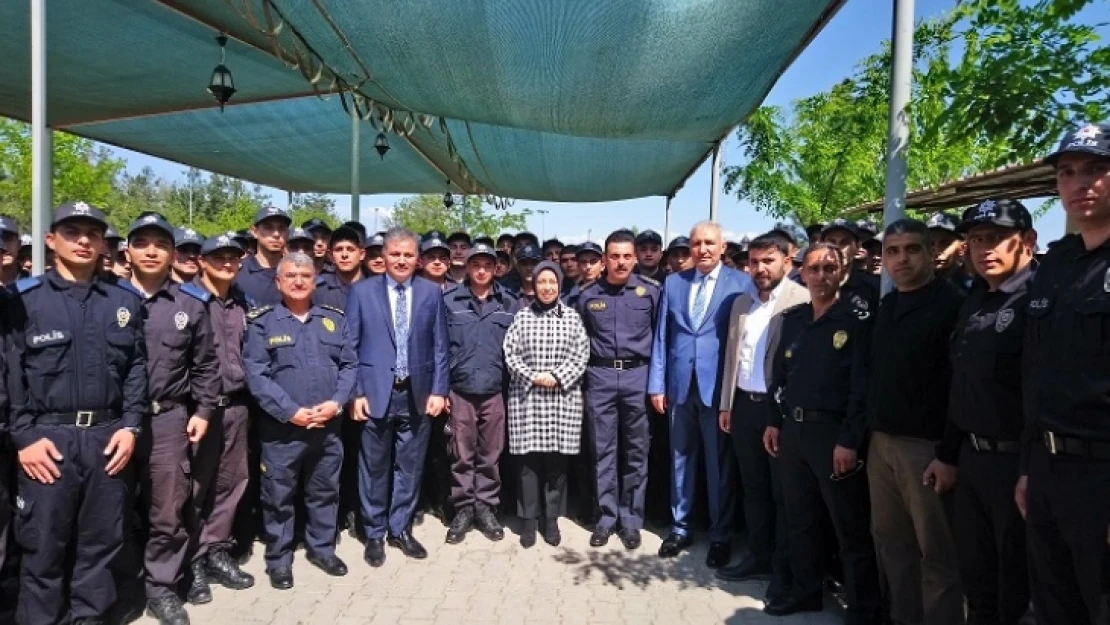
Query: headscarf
x=547, y=265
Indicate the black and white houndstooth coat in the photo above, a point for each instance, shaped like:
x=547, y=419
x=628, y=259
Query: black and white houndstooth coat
x=552, y=341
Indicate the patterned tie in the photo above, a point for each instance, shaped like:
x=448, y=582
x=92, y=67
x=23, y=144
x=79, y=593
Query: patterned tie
x=698, y=315
x=401, y=330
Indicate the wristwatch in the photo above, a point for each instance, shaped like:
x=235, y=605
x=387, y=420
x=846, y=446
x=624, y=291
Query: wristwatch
x=136, y=430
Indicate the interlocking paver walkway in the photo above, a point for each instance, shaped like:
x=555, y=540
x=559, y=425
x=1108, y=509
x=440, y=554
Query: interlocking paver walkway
x=480, y=582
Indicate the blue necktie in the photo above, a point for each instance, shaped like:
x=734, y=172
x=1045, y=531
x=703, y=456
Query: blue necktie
x=401, y=330
x=698, y=315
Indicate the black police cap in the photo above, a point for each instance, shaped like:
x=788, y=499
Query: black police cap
x=186, y=236
x=526, y=237
x=1004, y=213
x=111, y=234
x=219, y=242
x=79, y=210
x=481, y=249
x=589, y=246
x=316, y=224
x=1091, y=139
x=529, y=252
x=7, y=224
x=487, y=240
x=155, y=221
x=434, y=243
x=375, y=241
x=299, y=234
x=942, y=221
x=649, y=236
x=244, y=236
x=271, y=212
x=839, y=224
x=679, y=243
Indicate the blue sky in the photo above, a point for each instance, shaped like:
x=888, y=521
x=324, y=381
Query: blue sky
x=856, y=31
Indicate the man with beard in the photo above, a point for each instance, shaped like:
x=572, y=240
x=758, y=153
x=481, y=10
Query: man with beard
x=258, y=276
x=186, y=244
x=459, y=243
x=649, y=255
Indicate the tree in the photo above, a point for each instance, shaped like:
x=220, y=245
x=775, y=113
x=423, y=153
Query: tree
x=421, y=213
x=826, y=152
x=313, y=206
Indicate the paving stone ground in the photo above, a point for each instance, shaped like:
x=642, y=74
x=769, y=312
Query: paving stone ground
x=481, y=582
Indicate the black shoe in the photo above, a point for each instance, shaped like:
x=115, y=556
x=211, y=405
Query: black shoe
x=792, y=605
x=418, y=518
x=629, y=538
x=375, y=552
x=331, y=565
x=199, y=590
x=600, y=537
x=168, y=611
x=551, y=534
x=460, y=525
x=747, y=568
x=221, y=568
x=718, y=555
x=282, y=578
x=408, y=545
x=488, y=524
x=528, y=535
x=675, y=544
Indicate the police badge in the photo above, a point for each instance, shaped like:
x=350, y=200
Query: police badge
x=328, y=324
x=840, y=339
x=122, y=317
x=1003, y=320
x=181, y=320
x=641, y=291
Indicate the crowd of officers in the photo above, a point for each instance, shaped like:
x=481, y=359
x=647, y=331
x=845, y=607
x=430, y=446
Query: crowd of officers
x=943, y=450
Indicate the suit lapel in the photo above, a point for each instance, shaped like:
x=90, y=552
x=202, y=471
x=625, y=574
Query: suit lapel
x=718, y=295
x=387, y=312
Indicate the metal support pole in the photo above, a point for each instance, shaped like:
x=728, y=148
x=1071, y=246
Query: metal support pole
x=901, y=79
x=355, y=189
x=667, y=223
x=41, y=141
x=715, y=183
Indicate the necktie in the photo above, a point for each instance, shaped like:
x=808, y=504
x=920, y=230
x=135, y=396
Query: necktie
x=698, y=315
x=401, y=330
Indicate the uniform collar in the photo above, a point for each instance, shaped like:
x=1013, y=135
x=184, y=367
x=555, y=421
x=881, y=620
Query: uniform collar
x=281, y=311
x=58, y=282
x=1018, y=280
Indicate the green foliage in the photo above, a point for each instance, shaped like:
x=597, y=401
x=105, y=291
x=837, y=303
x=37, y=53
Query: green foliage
x=1023, y=74
x=421, y=213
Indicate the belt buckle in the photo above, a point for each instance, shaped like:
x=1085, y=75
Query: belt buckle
x=618, y=365
x=974, y=442
x=1050, y=441
x=84, y=418
x=223, y=400
x=155, y=407
x=798, y=414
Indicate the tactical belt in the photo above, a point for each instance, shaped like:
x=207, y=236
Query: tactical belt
x=80, y=418
x=1066, y=446
x=618, y=363
x=815, y=416
x=989, y=445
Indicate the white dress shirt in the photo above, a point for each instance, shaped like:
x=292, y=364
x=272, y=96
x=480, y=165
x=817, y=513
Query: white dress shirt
x=391, y=285
x=710, y=284
x=753, y=343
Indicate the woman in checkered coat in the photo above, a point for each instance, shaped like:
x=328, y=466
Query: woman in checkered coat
x=546, y=350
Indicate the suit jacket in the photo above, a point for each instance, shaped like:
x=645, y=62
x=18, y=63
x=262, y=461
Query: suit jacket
x=370, y=323
x=790, y=296
x=680, y=349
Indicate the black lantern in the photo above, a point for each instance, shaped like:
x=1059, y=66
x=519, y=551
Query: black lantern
x=381, y=144
x=448, y=200
x=222, y=85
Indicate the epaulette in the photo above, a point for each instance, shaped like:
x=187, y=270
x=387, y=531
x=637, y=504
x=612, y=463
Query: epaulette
x=193, y=290
x=26, y=284
x=652, y=281
x=127, y=286
x=258, y=312
x=321, y=280
x=333, y=309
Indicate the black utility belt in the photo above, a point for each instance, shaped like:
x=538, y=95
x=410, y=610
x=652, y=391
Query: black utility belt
x=618, y=363
x=1058, y=445
x=801, y=415
x=984, y=444
x=164, y=406
x=79, y=418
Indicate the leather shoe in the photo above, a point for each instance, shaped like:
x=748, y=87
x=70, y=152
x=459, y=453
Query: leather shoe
x=718, y=555
x=408, y=545
x=331, y=565
x=487, y=523
x=675, y=544
x=528, y=534
x=630, y=538
x=792, y=605
x=747, y=568
x=551, y=533
x=375, y=552
x=199, y=591
x=168, y=611
x=600, y=537
x=282, y=578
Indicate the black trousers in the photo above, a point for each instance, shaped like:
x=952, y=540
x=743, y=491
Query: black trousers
x=543, y=485
x=759, y=474
x=990, y=537
x=9, y=557
x=805, y=460
x=1067, y=514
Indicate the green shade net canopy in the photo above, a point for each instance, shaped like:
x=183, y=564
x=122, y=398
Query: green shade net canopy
x=558, y=100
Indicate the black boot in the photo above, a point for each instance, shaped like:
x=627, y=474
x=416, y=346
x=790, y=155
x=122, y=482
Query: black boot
x=488, y=524
x=199, y=590
x=168, y=611
x=221, y=568
x=528, y=534
x=551, y=534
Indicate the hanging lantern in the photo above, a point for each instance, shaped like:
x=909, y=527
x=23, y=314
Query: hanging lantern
x=222, y=85
x=381, y=144
x=448, y=200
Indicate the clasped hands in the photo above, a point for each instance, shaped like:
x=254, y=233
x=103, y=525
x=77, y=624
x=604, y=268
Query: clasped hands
x=545, y=380
x=316, y=416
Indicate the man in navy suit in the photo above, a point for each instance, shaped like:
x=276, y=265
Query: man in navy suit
x=685, y=376
x=399, y=326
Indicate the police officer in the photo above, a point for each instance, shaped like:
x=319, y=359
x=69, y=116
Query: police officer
x=247, y=241
x=519, y=282
x=300, y=367
x=860, y=288
x=321, y=233
x=77, y=381
x=649, y=255
x=219, y=463
x=460, y=244
x=375, y=260
x=9, y=248
x=186, y=242
x=618, y=311
x=9, y=578
x=435, y=262
x=435, y=259
x=678, y=255
x=300, y=240
x=985, y=412
x=345, y=248
x=590, y=266
x=820, y=377
x=1065, y=491
x=183, y=384
x=257, y=279
x=479, y=313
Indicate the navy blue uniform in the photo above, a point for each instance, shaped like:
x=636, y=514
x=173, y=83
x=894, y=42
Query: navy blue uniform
x=76, y=375
x=291, y=365
x=620, y=321
x=257, y=282
x=331, y=291
x=9, y=578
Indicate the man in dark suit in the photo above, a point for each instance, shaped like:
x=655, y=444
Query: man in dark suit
x=685, y=376
x=402, y=382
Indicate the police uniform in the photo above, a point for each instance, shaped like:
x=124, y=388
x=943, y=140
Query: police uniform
x=331, y=291
x=289, y=365
x=76, y=376
x=820, y=378
x=256, y=281
x=1066, y=378
x=620, y=322
x=9, y=576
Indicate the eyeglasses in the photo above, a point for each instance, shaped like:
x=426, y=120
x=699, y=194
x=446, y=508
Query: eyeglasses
x=838, y=478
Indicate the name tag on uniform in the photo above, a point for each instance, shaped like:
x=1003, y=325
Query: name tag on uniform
x=53, y=337
x=281, y=339
x=597, y=304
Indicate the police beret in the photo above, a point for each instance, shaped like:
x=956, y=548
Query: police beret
x=679, y=243
x=649, y=236
x=79, y=210
x=316, y=224
x=589, y=246
x=271, y=212
x=1091, y=139
x=220, y=242
x=1004, y=213
x=433, y=243
x=299, y=234
x=481, y=249
x=186, y=236
x=529, y=252
x=838, y=224
x=152, y=220
x=942, y=221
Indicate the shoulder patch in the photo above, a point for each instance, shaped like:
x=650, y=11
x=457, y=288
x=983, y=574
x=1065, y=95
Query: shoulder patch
x=332, y=308
x=27, y=284
x=193, y=290
x=130, y=288
x=258, y=312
